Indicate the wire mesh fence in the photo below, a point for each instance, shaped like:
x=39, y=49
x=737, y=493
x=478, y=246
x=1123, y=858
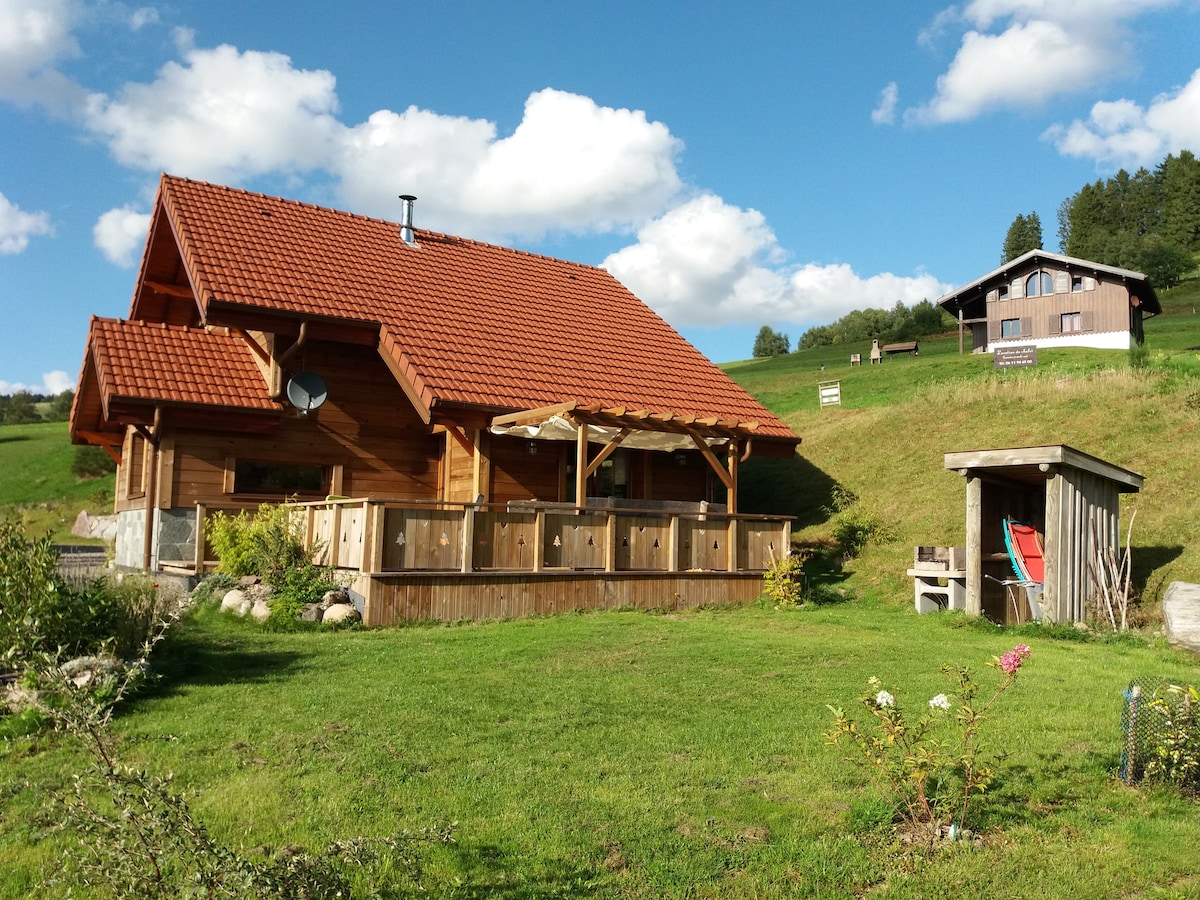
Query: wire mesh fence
x=1161, y=733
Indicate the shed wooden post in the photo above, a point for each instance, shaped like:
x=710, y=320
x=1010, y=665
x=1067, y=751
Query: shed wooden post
x=974, y=545
x=1052, y=589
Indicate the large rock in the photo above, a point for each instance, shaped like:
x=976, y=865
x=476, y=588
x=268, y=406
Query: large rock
x=340, y=612
x=1181, y=615
x=236, y=602
x=260, y=612
x=91, y=671
x=334, y=597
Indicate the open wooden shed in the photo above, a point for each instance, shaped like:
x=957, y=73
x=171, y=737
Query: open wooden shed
x=1070, y=497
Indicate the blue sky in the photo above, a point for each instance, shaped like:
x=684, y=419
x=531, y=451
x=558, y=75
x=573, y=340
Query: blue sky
x=736, y=165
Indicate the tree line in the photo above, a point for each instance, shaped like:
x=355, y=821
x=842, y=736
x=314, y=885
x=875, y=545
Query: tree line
x=23, y=407
x=900, y=323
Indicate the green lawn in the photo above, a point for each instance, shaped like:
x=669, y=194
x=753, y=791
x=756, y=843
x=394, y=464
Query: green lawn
x=628, y=754
x=36, y=484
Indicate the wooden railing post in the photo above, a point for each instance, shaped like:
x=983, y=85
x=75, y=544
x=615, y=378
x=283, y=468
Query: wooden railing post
x=198, y=556
x=731, y=545
x=335, y=536
x=468, y=538
x=673, y=545
x=539, y=540
x=610, y=542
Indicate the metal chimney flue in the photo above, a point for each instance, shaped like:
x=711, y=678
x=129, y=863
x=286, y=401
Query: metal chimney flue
x=406, y=219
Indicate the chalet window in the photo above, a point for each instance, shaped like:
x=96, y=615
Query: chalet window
x=1076, y=284
x=1004, y=292
x=283, y=479
x=1010, y=328
x=1039, y=284
x=135, y=467
x=1071, y=321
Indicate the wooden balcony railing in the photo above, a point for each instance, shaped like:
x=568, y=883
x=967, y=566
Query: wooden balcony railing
x=382, y=536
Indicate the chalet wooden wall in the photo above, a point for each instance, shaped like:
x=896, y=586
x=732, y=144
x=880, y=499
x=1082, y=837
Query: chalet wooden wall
x=518, y=474
x=1106, y=308
x=367, y=426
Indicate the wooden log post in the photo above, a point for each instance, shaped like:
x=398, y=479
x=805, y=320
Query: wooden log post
x=468, y=538
x=198, y=555
x=673, y=545
x=610, y=542
x=974, y=545
x=335, y=536
x=539, y=540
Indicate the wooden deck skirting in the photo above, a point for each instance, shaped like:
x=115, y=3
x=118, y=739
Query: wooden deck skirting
x=451, y=561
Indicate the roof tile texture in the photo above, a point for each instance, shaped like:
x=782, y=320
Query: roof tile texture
x=176, y=364
x=478, y=324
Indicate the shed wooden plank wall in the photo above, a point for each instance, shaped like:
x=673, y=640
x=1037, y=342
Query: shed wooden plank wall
x=450, y=597
x=1088, y=528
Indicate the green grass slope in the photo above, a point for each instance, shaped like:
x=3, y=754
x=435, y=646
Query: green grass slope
x=885, y=443
x=36, y=484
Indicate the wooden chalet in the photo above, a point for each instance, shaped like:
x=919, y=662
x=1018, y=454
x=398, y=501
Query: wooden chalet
x=469, y=430
x=1044, y=299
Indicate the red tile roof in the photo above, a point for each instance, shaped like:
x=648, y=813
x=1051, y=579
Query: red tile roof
x=470, y=323
x=175, y=364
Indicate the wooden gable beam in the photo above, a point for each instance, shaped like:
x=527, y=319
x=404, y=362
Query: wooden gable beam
x=606, y=451
x=715, y=463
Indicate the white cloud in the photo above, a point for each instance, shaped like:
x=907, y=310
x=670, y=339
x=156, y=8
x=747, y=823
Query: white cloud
x=18, y=226
x=140, y=18
x=570, y=164
x=1122, y=133
x=52, y=383
x=119, y=233
x=34, y=35
x=1020, y=53
x=885, y=112
x=221, y=115
x=707, y=263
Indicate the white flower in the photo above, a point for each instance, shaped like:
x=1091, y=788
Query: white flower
x=941, y=701
x=883, y=698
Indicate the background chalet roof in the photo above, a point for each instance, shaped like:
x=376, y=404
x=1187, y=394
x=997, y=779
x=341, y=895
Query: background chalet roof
x=467, y=323
x=1139, y=285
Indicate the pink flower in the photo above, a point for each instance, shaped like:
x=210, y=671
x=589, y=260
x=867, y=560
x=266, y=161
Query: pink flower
x=1011, y=661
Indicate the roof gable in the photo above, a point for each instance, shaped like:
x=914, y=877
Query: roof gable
x=461, y=323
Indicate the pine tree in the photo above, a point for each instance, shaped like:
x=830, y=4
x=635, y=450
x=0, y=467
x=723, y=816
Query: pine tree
x=1024, y=234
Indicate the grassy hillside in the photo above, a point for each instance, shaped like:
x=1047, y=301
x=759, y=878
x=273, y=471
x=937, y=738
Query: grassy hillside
x=885, y=443
x=36, y=484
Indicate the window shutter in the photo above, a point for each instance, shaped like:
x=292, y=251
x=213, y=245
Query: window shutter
x=1018, y=289
x=991, y=296
x=1089, y=283
x=1026, y=326
x=1086, y=320
x=1054, y=324
x=1062, y=283
x=993, y=330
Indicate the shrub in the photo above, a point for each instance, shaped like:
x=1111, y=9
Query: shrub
x=265, y=544
x=294, y=588
x=783, y=582
x=33, y=615
x=90, y=461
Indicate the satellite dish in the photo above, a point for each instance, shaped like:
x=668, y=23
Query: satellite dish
x=306, y=391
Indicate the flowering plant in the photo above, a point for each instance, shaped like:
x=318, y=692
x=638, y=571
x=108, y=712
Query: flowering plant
x=929, y=766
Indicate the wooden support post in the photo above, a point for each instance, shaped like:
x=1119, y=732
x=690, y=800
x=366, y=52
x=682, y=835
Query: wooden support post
x=731, y=504
x=974, y=545
x=482, y=472
x=539, y=540
x=1055, y=552
x=198, y=556
x=581, y=463
x=960, y=332
x=372, y=539
x=610, y=542
x=731, y=543
x=468, y=538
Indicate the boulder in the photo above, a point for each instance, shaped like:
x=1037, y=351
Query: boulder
x=259, y=591
x=260, y=612
x=1181, y=615
x=90, y=671
x=335, y=597
x=311, y=612
x=236, y=602
x=247, y=580
x=340, y=612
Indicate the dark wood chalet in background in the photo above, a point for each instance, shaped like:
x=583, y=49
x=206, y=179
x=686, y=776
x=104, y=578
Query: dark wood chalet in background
x=501, y=432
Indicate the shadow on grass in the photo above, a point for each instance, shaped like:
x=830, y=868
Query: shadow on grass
x=1025, y=795
x=9, y=438
x=488, y=873
x=1147, y=561
x=189, y=658
x=786, y=487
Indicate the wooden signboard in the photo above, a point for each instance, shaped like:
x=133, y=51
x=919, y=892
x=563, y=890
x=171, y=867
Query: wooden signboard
x=1015, y=357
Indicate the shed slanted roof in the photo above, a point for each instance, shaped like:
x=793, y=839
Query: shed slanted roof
x=1025, y=463
x=466, y=324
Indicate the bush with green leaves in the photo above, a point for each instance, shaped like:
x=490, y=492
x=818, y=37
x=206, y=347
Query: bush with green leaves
x=265, y=543
x=91, y=461
x=783, y=582
x=1173, y=756
x=296, y=588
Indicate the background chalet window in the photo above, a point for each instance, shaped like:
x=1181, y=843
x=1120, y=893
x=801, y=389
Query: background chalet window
x=1010, y=328
x=1039, y=284
x=1071, y=321
x=257, y=477
x=1076, y=284
x=1003, y=292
